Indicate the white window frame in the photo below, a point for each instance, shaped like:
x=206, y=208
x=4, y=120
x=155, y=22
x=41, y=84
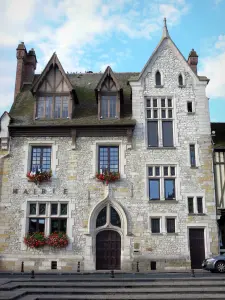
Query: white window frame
x=25, y=221
x=197, y=159
x=195, y=204
x=163, y=225
x=108, y=143
x=161, y=178
x=160, y=224
x=28, y=154
x=193, y=107
x=159, y=118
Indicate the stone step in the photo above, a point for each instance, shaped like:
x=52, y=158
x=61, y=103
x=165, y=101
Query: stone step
x=12, y=295
x=173, y=284
x=208, y=296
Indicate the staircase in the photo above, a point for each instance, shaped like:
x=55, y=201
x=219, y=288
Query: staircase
x=103, y=287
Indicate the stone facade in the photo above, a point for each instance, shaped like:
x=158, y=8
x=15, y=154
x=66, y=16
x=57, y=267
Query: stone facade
x=74, y=182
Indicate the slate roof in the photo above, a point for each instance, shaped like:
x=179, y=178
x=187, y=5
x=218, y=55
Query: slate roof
x=85, y=113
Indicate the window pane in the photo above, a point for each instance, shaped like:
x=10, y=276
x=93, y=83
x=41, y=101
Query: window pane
x=41, y=158
x=112, y=111
x=163, y=114
x=170, y=113
x=172, y=171
x=101, y=219
x=155, y=225
x=41, y=225
x=170, y=224
x=54, y=225
x=48, y=107
x=153, y=134
x=158, y=78
x=63, y=209
x=104, y=107
x=154, y=191
x=62, y=227
x=192, y=155
x=154, y=102
x=190, y=205
x=40, y=107
x=149, y=114
x=114, y=159
x=165, y=171
x=42, y=208
x=57, y=107
x=54, y=209
x=150, y=171
x=199, y=205
x=169, y=189
x=114, y=217
x=155, y=113
x=189, y=106
x=157, y=171
x=167, y=127
x=169, y=102
x=32, y=225
x=32, y=208
x=148, y=102
x=180, y=80
x=162, y=102
x=65, y=105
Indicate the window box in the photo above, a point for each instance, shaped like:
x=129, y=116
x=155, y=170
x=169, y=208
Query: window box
x=38, y=177
x=107, y=177
x=58, y=240
x=35, y=240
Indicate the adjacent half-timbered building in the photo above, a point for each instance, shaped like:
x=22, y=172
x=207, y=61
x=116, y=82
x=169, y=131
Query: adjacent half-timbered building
x=147, y=137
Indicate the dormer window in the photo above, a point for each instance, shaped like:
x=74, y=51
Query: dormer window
x=108, y=106
x=158, y=81
x=108, y=94
x=50, y=107
x=54, y=92
x=180, y=80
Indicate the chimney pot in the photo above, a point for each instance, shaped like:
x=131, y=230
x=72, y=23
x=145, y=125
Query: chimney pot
x=193, y=60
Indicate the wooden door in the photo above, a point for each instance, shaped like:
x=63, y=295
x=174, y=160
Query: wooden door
x=197, y=247
x=108, y=250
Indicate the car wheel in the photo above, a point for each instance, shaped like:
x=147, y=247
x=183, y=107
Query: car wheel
x=220, y=266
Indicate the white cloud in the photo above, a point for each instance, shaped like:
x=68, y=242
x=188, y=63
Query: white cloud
x=213, y=66
x=217, y=2
x=74, y=28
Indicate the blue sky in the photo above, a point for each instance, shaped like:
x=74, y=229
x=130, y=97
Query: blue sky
x=91, y=34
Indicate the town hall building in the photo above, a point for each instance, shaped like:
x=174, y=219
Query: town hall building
x=148, y=131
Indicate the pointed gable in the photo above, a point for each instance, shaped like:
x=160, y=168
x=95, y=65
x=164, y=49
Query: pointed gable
x=108, y=82
x=53, y=78
x=166, y=38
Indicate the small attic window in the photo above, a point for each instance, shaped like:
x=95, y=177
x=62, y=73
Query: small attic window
x=108, y=106
x=52, y=107
x=180, y=80
x=158, y=80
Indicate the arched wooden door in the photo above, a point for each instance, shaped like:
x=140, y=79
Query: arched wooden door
x=108, y=250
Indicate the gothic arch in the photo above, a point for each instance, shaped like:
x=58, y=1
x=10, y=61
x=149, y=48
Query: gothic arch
x=96, y=210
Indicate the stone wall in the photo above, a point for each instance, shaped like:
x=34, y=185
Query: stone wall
x=74, y=172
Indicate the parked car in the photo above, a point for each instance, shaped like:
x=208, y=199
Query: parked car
x=215, y=264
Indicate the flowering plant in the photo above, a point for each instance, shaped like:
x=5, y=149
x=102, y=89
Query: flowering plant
x=35, y=240
x=107, y=176
x=39, y=176
x=58, y=240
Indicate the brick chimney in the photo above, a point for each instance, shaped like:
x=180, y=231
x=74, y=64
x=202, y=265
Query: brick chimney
x=26, y=65
x=193, y=60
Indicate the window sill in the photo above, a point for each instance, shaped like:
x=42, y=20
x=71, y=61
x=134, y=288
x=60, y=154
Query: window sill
x=106, y=119
x=201, y=214
x=162, y=148
x=190, y=113
x=156, y=233
x=159, y=86
x=163, y=201
x=182, y=86
x=194, y=167
x=172, y=233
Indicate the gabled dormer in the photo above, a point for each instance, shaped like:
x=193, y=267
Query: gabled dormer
x=53, y=92
x=108, y=95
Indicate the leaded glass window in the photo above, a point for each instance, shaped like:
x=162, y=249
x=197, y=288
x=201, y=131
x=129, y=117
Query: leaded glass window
x=63, y=209
x=108, y=107
x=41, y=158
x=108, y=216
x=42, y=208
x=114, y=217
x=52, y=107
x=32, y=208
x=101, y=219
x=108, y=159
